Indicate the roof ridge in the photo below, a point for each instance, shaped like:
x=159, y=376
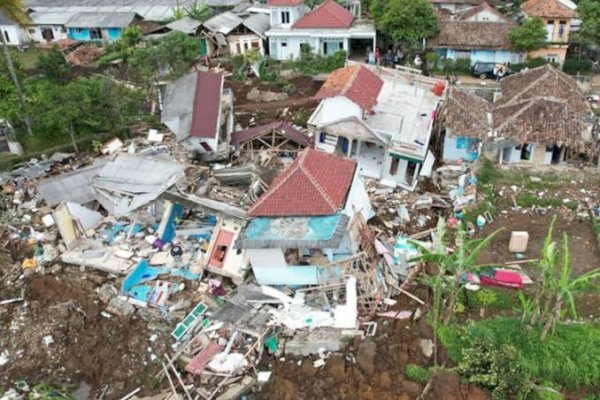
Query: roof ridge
x=269, y=193
x=319, y=188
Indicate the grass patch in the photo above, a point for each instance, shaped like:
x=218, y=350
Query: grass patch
x=488, y=173
x=493, y=299
x=28, y=58
x=569, y=356
x=417, y=373
x=531, y=199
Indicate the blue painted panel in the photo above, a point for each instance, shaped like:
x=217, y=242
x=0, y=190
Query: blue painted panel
x=457, y=148
x=114, y=33
x=79, y=34
x=482, y=56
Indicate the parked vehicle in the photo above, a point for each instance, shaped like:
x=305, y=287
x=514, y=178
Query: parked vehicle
x=486, y=70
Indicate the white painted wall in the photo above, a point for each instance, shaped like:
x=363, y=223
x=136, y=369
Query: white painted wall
x=358, y=198
x=266, y=258
x=295, y=14
x=14, y=34
x=245, y=43
x=485, y=15
x=288, y=48
x=35, y=33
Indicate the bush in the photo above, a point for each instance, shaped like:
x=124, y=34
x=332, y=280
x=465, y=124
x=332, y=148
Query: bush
x=573, y=66
x=461, y=66
x=417, y=373
x=569, y=357
x=498, y=370
x=531, y=63
x=310, y=63
x=487, y=173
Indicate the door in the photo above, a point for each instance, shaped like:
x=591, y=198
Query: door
x=47, y=34
x=203, y=47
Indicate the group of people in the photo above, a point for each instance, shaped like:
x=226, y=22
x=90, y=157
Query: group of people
x=391, y=57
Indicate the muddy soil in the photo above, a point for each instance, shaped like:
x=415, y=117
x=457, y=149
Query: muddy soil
x=369, y=369
x=582, y=244
x=87, y=347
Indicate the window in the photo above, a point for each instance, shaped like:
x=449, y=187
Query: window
x=95, y=33
x=255, y=45
x=462, y=143
x=6, y=37
x=31, y=31
x=561, y=28
x=552, y=57
x=246, y=47
x=394, y=166
x=411, y=169
x=549, y=30
x=283, y=44
x=285, y=17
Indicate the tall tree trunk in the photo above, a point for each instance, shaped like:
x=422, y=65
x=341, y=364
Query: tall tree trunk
x=72, y=134
x=450, y=308
x=551, y=321
x=15, y=79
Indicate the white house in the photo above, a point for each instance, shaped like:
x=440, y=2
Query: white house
x=12, y=33
x=382, y=118
x=326, y=29
x=230, y=33
x=454, y=5
x=200, y=113
x=48, y=26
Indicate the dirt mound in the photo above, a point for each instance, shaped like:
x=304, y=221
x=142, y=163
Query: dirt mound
x=86, y=346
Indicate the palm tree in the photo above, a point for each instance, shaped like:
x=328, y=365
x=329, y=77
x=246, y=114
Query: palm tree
x=563, y=288
x=17, y=12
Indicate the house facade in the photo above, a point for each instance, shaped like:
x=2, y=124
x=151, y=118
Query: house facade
x=300, y=225
x=230, y=33
x=93, y=26
x=326, y=29
x=478, y=34
x=199, y=112
x=11, y=32
x=539, y=117
x=48, y=26
x=558, y=16
x=380, y=117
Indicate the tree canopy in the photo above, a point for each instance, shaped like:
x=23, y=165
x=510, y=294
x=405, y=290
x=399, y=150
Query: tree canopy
x=589, y=11
x=529, y=35
x=404, y=20
x=54, y=67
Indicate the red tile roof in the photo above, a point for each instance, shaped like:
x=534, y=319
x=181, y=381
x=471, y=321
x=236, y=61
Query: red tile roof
x=283, y=3
x=357, y=83
x=207, y=105
x=285, y=128
x=316, y=183
x=547, y=8
x=328, y=15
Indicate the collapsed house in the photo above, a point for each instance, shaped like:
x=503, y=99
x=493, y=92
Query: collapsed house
x=230, y=33
x=279, y=138
x=301, y=223
x=326, y=29
x=539, y=117
x=381, y=118
x=205, y=128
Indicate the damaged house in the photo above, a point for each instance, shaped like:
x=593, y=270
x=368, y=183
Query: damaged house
x=199, y=111
x=478, y=34
x=231, y=33
x=325, y=30
x=300, y=225
x=539, y=117
x=382, y=118
x=278, y=138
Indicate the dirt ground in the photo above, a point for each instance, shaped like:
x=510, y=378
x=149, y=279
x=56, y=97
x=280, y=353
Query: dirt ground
x=87, y=347
x=582, y=245
x=369, y=369
x=299, y=102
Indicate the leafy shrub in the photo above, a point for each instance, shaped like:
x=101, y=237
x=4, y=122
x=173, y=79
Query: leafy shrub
x=531, y=63
x=574, y=66
x=498, y=370
x=487, y=173
x=461, y=66
x=417, y=373
x=310, y=63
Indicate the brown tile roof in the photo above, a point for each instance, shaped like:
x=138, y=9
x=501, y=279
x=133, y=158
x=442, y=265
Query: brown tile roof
x=467, y=114
x=467, y=35
x=285, y=128
x=547, y=8
x=357, y=83
x=207, y=105
x=543, y=105
x=316, y=183
x=468, y=13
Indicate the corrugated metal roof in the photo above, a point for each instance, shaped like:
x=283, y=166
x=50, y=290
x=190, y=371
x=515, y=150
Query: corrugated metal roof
x=154, y=10
x=258, y=23
x=50, y=17
x=101, y=20
x=177, y=109
x=186, y=25
x=223, y=23
x=4, y=20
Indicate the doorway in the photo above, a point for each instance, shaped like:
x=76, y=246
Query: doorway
x=47, y=34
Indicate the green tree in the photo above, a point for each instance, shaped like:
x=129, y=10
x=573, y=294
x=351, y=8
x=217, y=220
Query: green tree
x=199, y=11
x=405, y=20
x=54, y=67
x=529, y=35
x=16, y=11
x=589, y=11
